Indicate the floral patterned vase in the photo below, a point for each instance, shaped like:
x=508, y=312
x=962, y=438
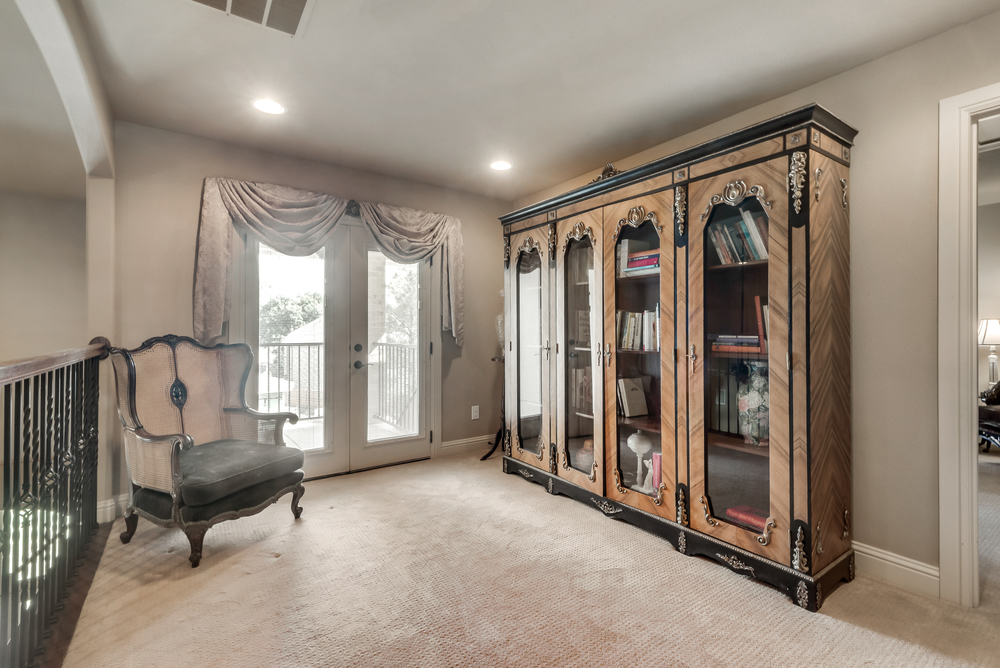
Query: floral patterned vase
x=752, y=395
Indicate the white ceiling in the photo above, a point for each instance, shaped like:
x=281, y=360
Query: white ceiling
x=38, y=153
x=435, y=91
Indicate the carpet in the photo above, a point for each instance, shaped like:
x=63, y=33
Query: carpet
x=449, y=562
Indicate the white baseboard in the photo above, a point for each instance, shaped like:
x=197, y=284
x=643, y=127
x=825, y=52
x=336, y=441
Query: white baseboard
x=901, y=571
x=461, y=446
x=109, y=509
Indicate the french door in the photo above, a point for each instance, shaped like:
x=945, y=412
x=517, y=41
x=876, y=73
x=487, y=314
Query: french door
x=342, y=339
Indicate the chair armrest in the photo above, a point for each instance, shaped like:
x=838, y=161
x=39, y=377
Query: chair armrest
x=278, y=420
x=175, y=443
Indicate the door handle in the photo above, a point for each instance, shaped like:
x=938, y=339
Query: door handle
x=546, y=348
x=358, y=364
x=692, y=356
x=607, y=355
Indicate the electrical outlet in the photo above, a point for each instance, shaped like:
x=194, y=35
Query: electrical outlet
x=475, y=412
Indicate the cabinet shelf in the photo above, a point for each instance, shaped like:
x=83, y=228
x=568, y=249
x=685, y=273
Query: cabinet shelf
x=647, y=278
x=641, y=422
x=637, y=352
x=739, y=265
x=759, y=357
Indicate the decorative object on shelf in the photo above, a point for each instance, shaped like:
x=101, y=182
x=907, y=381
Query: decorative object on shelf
x=640, y=444
x=712, y=522
x=989, y=335
x=736, y=564
x=680, y=208
x=578, y=232
x=606, y=507
x=800, y=561
x=734, y=193
x=752, y=397
x=797, y=179
x=647, y=483
x=606, y=173
x=635, y=217
x=765, y=537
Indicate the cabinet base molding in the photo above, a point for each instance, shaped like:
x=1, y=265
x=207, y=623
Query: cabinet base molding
x=806, y=591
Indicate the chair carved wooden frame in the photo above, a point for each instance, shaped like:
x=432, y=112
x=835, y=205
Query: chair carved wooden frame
x=197, y=455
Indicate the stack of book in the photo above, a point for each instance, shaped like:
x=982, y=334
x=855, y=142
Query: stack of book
x=636, y=258
x=739, y=241
x=745, y=343
x=639, y=331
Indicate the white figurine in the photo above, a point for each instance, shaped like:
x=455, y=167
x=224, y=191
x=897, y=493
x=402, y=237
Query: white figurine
x=647, y=484
x=640, y=444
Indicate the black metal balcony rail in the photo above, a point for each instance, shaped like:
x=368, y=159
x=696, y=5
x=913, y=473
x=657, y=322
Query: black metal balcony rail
x=292, y=379
x=398, y=384
x=49, y=433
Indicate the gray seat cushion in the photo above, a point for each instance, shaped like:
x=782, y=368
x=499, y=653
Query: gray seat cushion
x=220, y=468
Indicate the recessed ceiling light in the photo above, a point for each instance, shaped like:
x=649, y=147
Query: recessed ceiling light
x=269, y=106
x=500, y=165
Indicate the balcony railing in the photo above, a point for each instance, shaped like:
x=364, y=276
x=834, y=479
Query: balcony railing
x=291, y=379
x=49, y=433
x=398, y=384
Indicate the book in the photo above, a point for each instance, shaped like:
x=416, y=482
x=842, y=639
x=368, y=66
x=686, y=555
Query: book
x=657, y=469
x=641, y=271
x=626, y=246
x=582, y=327
x=722, y=348
x=761, y=223
x=737, y=251
x=747, y=241
x=760, y=325
x=754, y=232
x=641, y=255
x=632, y=396
x=642, y=262
x=747, y=516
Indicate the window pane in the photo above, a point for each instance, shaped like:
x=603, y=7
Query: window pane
x=393, y=348
x=290, y=343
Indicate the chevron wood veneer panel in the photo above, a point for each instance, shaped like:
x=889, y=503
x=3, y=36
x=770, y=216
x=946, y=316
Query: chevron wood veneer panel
x=800, y=375
x=830, y=363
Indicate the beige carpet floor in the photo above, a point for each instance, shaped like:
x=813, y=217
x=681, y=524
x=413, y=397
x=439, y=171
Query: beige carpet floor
x=451, y=563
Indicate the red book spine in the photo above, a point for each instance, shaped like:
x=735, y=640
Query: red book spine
x=760, y=325
x=735, y=349
x=648, y=262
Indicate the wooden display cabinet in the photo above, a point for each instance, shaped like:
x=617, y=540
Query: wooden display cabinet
x=742, y=357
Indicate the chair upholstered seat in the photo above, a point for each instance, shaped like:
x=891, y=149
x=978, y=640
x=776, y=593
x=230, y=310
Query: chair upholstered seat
x=220, y=468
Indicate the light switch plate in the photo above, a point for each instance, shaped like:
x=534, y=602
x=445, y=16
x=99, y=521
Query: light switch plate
x=475, y=412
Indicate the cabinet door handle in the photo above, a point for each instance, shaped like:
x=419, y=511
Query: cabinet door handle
x=692, y=356
x=547, y=350
x=607, y=355
x=598, y=354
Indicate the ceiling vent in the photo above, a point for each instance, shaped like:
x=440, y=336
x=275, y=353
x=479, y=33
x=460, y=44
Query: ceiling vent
x=283, y=15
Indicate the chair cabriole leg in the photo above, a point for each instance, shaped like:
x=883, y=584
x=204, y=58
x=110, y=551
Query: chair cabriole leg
x=296, y=495
x=131, y=522
x=196, y=536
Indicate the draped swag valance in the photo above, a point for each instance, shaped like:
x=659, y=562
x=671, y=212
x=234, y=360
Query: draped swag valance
x=298, y=222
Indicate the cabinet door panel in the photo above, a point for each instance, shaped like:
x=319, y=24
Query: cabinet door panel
x=738, y=294
x=529, y=352
x=579, y=340
x=639, y=342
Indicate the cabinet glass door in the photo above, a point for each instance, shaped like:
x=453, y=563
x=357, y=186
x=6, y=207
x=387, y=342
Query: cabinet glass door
x=531, y=354
x=738, y=358
x=639, y=344
x=579, y=437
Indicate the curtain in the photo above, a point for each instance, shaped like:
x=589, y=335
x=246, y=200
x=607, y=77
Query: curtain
x=298, y=222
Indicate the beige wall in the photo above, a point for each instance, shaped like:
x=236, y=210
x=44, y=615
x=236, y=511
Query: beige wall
x=43, y=275
x=158, y=186
x=893, y=101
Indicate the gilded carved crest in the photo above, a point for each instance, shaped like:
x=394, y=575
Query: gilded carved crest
x=680, y=208
x=578, y=232
x=797, y=179
x=635, y=217
x=734, y=193
x=606, y=173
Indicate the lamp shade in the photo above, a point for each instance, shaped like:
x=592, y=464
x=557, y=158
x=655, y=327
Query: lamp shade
x=989, y=333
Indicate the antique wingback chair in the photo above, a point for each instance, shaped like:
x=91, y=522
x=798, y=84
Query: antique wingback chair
x=196, y=454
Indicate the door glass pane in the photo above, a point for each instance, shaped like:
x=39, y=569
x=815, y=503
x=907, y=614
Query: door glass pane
x=529, y=342
x=736, y=364
x=393, y=348
x=637, y=366
x=290, y=343
x=579, y=380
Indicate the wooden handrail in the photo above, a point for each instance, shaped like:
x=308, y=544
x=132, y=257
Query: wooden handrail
x=13, y=371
